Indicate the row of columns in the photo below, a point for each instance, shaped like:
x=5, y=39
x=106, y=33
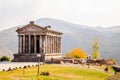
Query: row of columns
x=47, y=44
x=27, y=42
x=53, y=44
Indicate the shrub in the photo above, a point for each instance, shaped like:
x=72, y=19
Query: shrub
x=3, y=70
x=4, y=58
x=19, y=67
x=28, y=66
x=45, y=73
x=24, y=67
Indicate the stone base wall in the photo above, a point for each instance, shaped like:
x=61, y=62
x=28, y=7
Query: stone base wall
x=34, y=58
x=26, y=58
x=54, y=55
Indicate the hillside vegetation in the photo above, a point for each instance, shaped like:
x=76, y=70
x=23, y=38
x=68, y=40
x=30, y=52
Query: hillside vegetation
x=57, y=72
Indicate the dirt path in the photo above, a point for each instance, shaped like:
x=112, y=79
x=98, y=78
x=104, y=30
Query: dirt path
x=15, y=64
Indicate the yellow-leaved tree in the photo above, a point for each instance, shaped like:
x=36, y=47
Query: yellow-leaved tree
x=76, y=53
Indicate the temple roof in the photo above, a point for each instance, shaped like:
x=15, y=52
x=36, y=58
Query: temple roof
x=31, y=27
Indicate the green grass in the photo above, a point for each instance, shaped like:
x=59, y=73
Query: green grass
x=56, y=73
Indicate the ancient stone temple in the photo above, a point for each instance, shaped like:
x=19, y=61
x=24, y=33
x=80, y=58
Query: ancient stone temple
x=34, y=39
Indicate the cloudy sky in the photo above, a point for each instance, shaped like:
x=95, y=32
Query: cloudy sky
x=92, y=13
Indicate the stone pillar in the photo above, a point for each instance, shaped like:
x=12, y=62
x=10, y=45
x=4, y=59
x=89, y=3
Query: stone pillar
x=48, y=43
x=54, y=44
x=35, y=44
x=51, y=44
x=43, y=44
x=29, y=43
x=60, y=46
x=23, y=43
x=18, y=43
x=57, y=44
x=40, y=43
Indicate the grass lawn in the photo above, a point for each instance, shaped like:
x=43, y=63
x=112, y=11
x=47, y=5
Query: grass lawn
x=56, y=73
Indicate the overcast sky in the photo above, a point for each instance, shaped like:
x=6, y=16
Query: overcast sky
x=92, y=13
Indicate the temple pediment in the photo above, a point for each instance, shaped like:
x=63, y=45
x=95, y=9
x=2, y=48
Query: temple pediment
x=31, y=28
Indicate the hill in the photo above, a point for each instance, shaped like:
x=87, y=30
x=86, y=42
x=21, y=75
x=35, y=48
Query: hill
x=74, y=35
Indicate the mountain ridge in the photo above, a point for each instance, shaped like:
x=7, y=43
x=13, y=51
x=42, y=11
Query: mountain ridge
x=74, y=35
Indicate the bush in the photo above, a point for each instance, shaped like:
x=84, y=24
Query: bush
x=28, y=66
x=45, y=73
x=3, y=70
x=24, y=67
x=4, y=58
x=19, y=67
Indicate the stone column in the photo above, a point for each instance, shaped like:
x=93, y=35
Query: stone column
x=44, y=44
x=60, y=47
x=48, y=44
x=57, y=43
x=29, y=43
x=40, y=43
x=23, y=44
x=18, y=43
x=43, y=49
x=54, y=44
x=34, y=44
x=51, y=44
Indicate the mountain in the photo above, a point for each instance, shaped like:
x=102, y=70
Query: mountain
x=74, y=35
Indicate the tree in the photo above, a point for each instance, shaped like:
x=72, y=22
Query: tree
x=78, y=53
x=95, y=50
x=4, y=58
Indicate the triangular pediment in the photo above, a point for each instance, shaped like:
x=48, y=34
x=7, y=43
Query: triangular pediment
x=30, y=28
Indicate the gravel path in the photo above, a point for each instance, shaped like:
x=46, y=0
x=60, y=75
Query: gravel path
x=6, y=65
